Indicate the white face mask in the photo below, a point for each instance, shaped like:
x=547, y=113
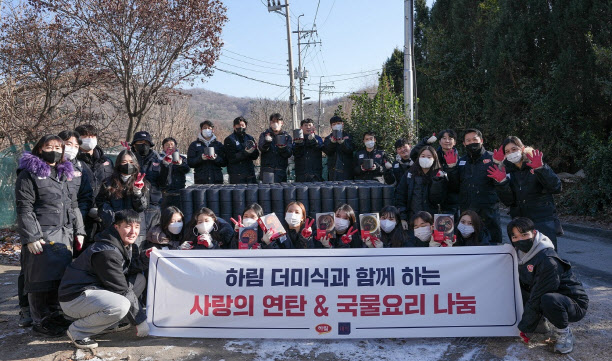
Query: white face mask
x=89, y=143
x=337, y=127
x=205, y=227
x=341, y=224
x=423, y=233
x=426, y=163
x=293, y=219
x=275, y=126
x=175, y=228
x=514, y=157
x=369, y=144
x=465, y=230
x=247, y=222
x=387, y=225
x=207, y=133
x=71, y=152
x=125, y=178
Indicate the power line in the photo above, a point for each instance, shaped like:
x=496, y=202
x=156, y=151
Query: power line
x=328, y=14
x=248, y=57
x=255, y=70
x=359, y=72
x=354, y=77
x=246, y=62
x=248, y=77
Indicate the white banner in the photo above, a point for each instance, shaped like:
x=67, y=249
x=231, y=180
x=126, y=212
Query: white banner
x=339, y=293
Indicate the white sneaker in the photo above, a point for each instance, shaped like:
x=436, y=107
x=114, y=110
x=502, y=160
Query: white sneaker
x=565, y=341
x=86, y=343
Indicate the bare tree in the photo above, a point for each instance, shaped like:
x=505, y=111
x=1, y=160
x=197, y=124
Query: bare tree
x=149, y=46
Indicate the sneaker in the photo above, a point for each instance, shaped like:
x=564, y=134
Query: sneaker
x=117, y=328
x=86, y=343
x=48, y=329
x=25, y=319
x=543, y=326
x=565, y=341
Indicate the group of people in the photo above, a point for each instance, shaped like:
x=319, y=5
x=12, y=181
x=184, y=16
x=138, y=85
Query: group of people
x=88, y=226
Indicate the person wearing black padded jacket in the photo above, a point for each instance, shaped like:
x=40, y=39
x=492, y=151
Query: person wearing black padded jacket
x=241, y=151
x=346, y=229
x=299, y=230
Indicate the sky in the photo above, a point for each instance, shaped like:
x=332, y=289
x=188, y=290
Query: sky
x=356, y=36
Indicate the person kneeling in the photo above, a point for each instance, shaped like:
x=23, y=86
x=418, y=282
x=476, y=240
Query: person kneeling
x=99, y=288
x=549, y=288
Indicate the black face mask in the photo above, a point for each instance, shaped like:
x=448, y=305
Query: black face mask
x=142, y=149
x=240, y=131
x=523, y=245
x=51, y=157
x=474, y=148
x=127, y=169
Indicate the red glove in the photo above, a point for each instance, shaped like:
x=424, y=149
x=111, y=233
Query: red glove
x=346, y=239
x=203, y=240
x=439, y=237
x=524, y=337
x=139, y=183
x=496, y=173
x=451, y=158
x=237, y=223
x=307, y=231
x=535, y=159
x=148, y=252
x=125, y=145
x=498, y=155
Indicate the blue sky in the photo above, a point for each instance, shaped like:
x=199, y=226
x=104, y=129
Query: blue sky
x=357, y=37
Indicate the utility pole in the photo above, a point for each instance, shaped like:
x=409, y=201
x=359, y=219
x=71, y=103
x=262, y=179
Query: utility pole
x=408, y=86
x=276, y=7
x=321, y=89
x=301, y=73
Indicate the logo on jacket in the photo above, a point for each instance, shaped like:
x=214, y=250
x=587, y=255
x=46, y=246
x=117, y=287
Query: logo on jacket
x=156, y=164
x=237, y=143
x=106, y=163
x=530, y=268
x=531, y=171
x=77, y=174
x=485, y=161
x=378, y=155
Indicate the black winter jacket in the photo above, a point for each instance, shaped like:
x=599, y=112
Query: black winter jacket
x=150, y=164
x=105, y=265
x=240, y=165
x=108, y=205
x=82, y=194
x=308, y=159
x=484, y=238
x=387, y=238
x=379, y=173
x=44, y=211
x=275, y=159
x=529, y=192
x=339, y=158
x=206, y=171
x=547, y=273
x=399, y=169
x=172, y=176
x=100, y=165
x=470, y=178
x=221, y=235
x=296, y=240
x=417, y=193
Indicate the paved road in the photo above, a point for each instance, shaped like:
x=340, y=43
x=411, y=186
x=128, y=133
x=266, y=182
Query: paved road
x=589, y=254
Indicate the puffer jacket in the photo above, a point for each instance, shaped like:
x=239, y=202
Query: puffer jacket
x=417, y=193
x=275, y=159
x=44, y=211
x=470, y=178
x=206, y=171
x=240, y=165
x=339, y=158
x=150, y=164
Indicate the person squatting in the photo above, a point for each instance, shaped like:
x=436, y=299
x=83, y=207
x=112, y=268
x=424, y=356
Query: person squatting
x=88, y=226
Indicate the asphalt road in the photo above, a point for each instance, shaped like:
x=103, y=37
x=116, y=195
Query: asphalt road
x=589, y=252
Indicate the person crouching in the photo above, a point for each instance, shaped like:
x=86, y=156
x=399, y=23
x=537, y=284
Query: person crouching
x=102, y=286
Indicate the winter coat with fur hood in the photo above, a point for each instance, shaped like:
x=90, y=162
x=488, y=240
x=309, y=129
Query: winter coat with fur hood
x=44, y=211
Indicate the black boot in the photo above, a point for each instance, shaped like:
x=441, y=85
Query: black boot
x=25, y=318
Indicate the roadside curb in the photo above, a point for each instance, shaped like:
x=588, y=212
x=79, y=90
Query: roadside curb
x=575, y=228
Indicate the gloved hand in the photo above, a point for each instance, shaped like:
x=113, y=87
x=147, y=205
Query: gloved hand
x=440, y=174
x=142, y=329
x=93, y=213
x=524, y=337
x=307, y=231
x=451, y=158
x=186, y=245
x=496, y=173
x=388, y=165
x=311, y=136
x=267, y=237
x=148, y=252
x=237, y=223
x=205, y=240
x=325, y=242
x=333, y=139
x=498, y=155
x=433, y=243
x=405, y=225
x=340, y=141
x=449, y=242
x=432, y=139
x=535, y=159
x=373, y=242
x=139, y=183
x=346, y=238
x=167, y=159
x=438, y=237
x=79, y=242
x=268, y=138
x=36, y=247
